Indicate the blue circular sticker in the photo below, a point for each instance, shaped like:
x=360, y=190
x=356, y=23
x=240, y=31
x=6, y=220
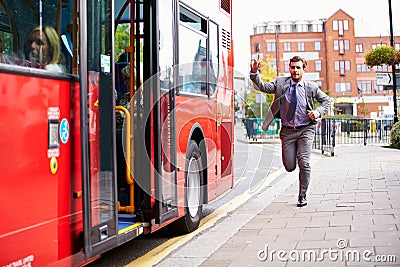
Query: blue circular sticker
x=64, y=131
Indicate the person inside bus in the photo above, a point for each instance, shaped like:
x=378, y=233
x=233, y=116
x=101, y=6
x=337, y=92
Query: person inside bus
x=42, y=49
x=124, y=99
x=126, y=75
x=294, y=105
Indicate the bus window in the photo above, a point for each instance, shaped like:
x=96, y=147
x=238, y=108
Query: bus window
x=193, y=58
x=214, y=57
x=36, y=35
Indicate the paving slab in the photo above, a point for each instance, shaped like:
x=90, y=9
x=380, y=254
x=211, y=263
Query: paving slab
x=352, y=219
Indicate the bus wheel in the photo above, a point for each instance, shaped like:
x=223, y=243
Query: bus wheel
x=193, y=191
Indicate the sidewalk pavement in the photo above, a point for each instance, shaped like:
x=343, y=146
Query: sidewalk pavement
x=352, y=218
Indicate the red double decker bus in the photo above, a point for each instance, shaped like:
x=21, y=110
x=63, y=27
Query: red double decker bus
x=116, y=119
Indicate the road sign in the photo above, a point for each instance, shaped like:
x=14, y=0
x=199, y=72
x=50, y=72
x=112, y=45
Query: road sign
x=384, y=78
x=260, y=98
x=390, y=87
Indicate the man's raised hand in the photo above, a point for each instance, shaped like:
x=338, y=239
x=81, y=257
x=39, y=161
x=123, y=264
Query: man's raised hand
x=255, y=64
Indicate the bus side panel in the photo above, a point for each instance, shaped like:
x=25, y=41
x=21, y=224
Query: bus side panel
x=70, y=184
x=185, y=120
x=30, y=231
x=225, y=98
x=225, y=105
x=225, y=133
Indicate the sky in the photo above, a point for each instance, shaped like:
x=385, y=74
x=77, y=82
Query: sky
x=371, y=18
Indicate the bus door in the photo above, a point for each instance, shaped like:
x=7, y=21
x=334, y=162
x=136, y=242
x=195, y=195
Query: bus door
x=166, y=179
x=98, y=137
x=213, y=81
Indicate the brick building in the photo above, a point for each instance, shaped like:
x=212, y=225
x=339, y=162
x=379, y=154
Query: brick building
x=335, y=57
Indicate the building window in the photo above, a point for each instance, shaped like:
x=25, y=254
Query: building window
x=258, y=46
x=365, y=86
x=300, y=46
x=317, y=46
x=346, y=25
x=335, y=45
x=271, y=27
x=342, y=66
x=341, y=45
x=318, y=65
x=343, y=87
x=380, y=68
x=347, y=65
x=378, y=89
x=377, y=45
x=286, y=27
x=271, y=47
x=397, y=46
x=302, y=27
x=286, y=64
x=340, y=30
x=286, y=47
x=363, y=68
x=335, y=25
x=340, y=26
x=346, y=45
x=359, y=48
x=316, y=26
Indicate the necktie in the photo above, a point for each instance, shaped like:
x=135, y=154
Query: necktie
x=293, y=103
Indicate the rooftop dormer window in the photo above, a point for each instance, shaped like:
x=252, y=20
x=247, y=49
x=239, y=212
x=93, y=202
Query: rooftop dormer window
x=285, y=26
x=302, y=26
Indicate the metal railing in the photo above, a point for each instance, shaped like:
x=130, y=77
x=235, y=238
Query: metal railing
x=255, y=132
x=331, y=132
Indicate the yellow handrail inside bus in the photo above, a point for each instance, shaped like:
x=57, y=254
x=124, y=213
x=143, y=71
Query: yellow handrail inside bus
x=129, y=178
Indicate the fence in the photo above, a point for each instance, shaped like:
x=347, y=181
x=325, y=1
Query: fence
x=255, y=132
x=331, y=132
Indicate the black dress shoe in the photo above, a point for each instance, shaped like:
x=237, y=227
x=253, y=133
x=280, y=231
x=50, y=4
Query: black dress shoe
x=302, y=202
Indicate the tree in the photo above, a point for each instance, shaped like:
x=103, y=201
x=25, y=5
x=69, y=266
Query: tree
x=122, y=40
x=6, y=43
x=364, y=110
x=267, y=73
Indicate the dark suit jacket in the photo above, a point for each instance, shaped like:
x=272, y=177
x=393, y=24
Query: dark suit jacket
x=280, y=87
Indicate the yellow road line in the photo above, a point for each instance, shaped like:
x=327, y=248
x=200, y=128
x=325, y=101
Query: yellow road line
x=157, y=254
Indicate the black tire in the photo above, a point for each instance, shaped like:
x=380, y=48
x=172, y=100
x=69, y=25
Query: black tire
x=193, y=191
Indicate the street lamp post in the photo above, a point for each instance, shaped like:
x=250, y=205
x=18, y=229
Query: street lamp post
x=277, y=52
x=395, y=118
x=273, y=28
